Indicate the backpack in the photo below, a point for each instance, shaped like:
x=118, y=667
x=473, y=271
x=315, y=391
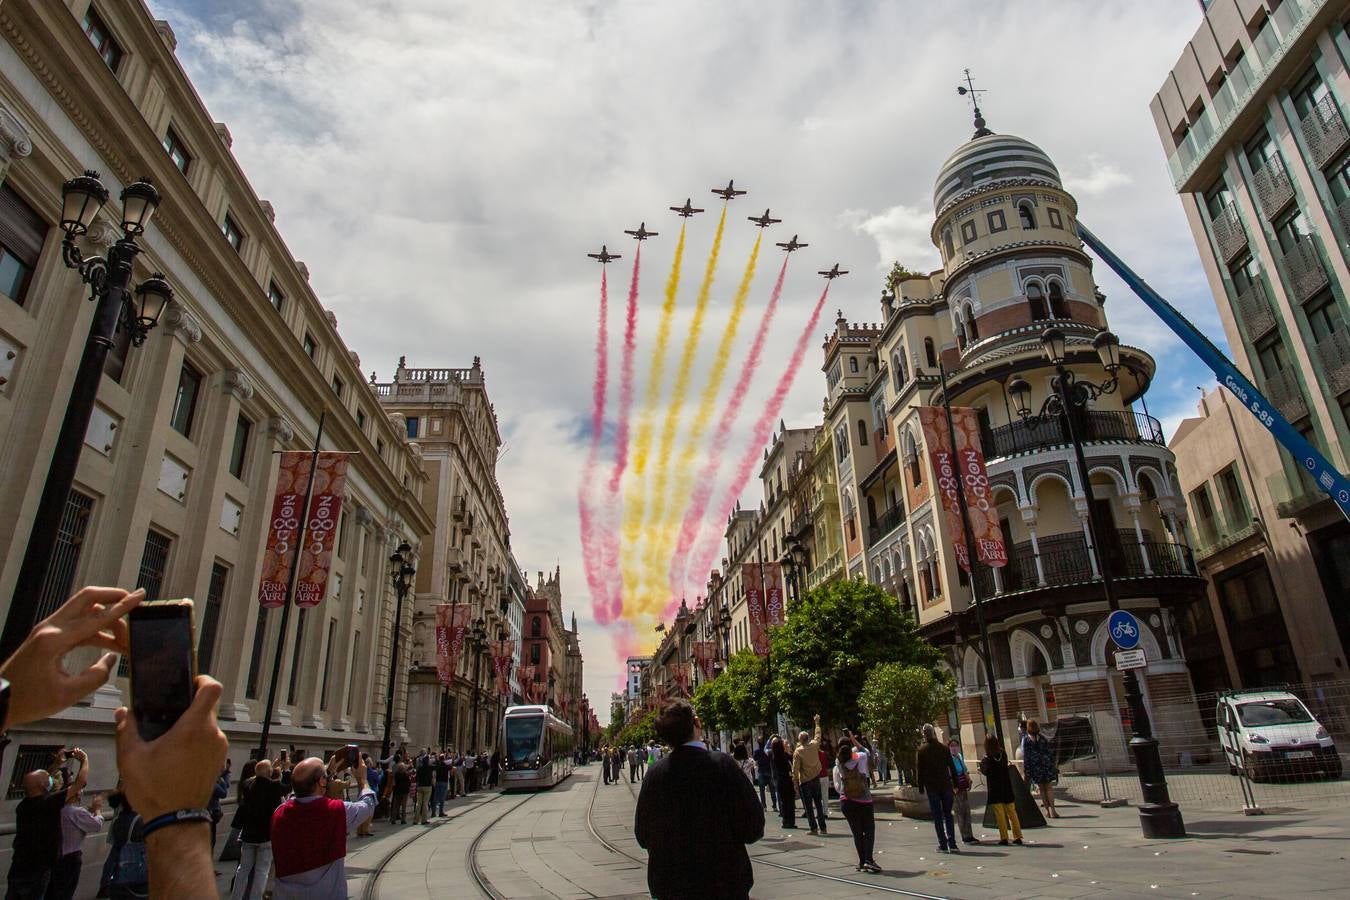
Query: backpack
x=132, y=869
x=855, y=783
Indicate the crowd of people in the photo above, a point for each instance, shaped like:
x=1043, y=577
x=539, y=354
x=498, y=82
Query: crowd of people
x=637, y=757
x=698, y=809
x=292, y=815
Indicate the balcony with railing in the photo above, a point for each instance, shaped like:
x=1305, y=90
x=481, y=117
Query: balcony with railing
x=887, y=522
x=1285, y=25
x=1273, y=187
x=1303, y=269
x=1333, y=356
x=1254, y=310
x=832, y=566
x=1064, y=559
x=1324, y=131
x=1092, y=426
x=1228, y=233
x=1282, y=389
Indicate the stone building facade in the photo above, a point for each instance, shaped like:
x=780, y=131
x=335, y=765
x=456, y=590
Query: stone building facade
x=175, y=482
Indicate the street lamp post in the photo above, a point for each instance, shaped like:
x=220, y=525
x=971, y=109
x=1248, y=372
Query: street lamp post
x=479, y=642
x=117, y=305
x=401, y=573
x=1159, y=817
x=724, y=628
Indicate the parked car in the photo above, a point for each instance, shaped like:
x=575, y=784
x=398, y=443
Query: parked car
x=1272, y=734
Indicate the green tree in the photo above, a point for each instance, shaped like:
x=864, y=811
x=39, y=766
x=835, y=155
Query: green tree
x=896, y=701
x=641, y=731
x=833, y=637
x=738, y=698
x=898, y=274
x=710, y=702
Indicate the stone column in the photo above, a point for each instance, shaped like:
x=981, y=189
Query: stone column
x=1132, y=507
x=1029, y=519
x=1081, y=508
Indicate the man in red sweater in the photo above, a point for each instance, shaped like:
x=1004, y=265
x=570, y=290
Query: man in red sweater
x=309, y=832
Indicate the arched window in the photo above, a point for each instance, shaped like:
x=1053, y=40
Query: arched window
x=912, y=460
x=862, y=433
x=1036, y=297
x=1059, y=308
x=534, y=627
x=853, y=363
x=930, y=353
x=947, y=243
x=972, y=330
x=1024, y=213
x=898, y=368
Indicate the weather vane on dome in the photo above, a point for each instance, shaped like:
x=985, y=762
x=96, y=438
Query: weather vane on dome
x=968, y=90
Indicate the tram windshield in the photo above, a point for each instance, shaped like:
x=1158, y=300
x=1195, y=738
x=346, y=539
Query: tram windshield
x=522, y=740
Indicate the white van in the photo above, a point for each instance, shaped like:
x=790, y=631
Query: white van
x=1271, y=733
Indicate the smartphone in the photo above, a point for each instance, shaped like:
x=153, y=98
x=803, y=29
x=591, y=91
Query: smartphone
x=163, y=664
x=353, y=755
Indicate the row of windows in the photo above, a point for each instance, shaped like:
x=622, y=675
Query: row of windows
x=997, y=221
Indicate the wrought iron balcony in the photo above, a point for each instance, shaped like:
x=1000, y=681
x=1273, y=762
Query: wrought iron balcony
x=833, y=565
x=1064, y=560
x=1333, y=354
x=1304, y=270
x=886, y=523
x=1228, y=233
x=1282, y=389
x=1273, y=187
x=1254, y=310
x=1091, y=425
x=1324, y=131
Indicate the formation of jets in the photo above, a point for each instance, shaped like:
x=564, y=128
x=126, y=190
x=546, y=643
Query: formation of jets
x=688, y=210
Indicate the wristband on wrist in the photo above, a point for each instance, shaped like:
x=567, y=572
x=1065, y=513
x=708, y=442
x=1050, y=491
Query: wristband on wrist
x=177, y=817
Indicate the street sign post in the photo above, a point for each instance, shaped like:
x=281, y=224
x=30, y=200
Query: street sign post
x=1124, y=629
x=1130, y=659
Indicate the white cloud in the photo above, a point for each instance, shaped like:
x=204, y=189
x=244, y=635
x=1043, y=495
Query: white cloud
x=443, y=165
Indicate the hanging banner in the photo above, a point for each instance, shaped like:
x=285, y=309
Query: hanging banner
x=284, y=530
x=316, y=556
x=525, y=678
x=705, y=655
x=754, y=606
x=683, y=674
x=963, y=464
x=1308, y=457
x=774, y=611
x=502, y=656
x=452, y=621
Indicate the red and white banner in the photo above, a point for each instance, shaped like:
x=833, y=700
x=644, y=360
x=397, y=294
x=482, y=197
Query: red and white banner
x=451, y=621
x=963, y=465
x=705, y=656
x=502, y=656
x=284, y=529
x=682, y=674
x=525, y=678
x=325, y=506
x=774, y=611
x=754, y=605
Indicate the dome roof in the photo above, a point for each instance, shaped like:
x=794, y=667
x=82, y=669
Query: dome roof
x=989, y=157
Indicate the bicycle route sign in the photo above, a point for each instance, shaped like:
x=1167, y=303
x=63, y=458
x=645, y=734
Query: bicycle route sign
x=1124, y=629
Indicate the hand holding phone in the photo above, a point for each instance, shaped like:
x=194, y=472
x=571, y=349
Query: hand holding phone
x=353, y=755
x=163, y=664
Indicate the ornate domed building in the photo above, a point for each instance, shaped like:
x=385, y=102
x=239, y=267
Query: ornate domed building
x=1013, y=268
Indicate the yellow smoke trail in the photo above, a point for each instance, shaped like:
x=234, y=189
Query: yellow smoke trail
x=636, y=515
x=642, y=443
x=657, y=562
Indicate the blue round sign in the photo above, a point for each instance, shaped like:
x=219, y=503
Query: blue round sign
x=1124, y=629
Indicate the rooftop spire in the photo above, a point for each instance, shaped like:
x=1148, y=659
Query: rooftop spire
x=968, y=90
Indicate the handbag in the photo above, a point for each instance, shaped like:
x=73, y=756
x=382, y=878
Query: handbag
x=132, y=869
x=963, y=781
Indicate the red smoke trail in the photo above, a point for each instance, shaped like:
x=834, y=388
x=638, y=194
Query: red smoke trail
x=763, y=428
x=698, y=503
x=591, y=563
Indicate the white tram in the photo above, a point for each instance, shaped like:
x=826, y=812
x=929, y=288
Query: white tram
x=538, y=749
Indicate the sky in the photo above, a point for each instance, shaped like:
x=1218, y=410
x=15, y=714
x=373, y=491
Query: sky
x=443, y=167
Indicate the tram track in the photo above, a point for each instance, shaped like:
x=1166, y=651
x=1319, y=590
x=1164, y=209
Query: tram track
x=471, y=854
x=368, y=890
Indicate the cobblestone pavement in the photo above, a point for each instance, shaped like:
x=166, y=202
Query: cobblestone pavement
x=576, y=842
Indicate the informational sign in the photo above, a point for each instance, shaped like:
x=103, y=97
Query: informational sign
x=963, y=466
x=754, y=606
x=325, y=505
x=774, y=611
x=1124, y=629
x=1309, y=458
x=1130, y=659
x=284, y=530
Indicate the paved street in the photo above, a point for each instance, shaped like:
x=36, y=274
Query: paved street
x=576, y=841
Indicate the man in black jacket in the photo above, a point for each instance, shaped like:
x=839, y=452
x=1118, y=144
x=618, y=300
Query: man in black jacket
x=936, y=776
x=695, y=815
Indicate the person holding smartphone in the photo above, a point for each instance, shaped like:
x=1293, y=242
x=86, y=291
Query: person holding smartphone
x=309, y=831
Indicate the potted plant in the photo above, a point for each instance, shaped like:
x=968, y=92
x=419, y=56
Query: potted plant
x=896, y=701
